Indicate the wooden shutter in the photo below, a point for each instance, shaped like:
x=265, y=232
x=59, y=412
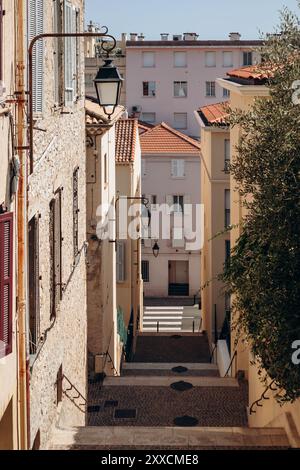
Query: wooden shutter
x=174, y=170
x=35, y=27
x=75, y=211
x=120, y=259
x=69, y=54
x=6, y=283
x=34, y=283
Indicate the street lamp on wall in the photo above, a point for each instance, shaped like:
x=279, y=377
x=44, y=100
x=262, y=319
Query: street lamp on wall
x=108, y=83
x=155, y=249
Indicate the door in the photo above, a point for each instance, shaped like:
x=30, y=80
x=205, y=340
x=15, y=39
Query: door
x=179, y=278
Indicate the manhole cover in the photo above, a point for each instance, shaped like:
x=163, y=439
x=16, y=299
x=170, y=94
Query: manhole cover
x=175, y=337
x=186, y=421
x=181, y=386
x=125, y=414
x=110, y=403
x=93, y=408
x=179, y=369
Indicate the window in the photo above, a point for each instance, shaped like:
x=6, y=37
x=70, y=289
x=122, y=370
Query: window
x=227, y=59
x=148, y=59
x=210, y=88
x=1, y=40
x=226, y=155
x=58, y=53
x=226, y=93
x=210, y=59
x=247, y=58
x=180, y=59
x=6, y=283
x=145, y=271
x=120, y=260
x=149, y=117
x=227, y=251
x=153, y=201
x=177, y=168
x=180, y=89
x=178, y=203
x=34, y=284
x=227, y=207
x=180, y=120
x=35, y=27
x=55, y=252
x=148, y=88
x=144, y=171
x=75, y=212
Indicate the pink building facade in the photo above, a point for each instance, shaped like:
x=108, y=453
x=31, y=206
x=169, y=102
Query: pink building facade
x=167, y=80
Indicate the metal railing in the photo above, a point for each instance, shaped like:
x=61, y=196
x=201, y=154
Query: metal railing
x=72, y=388
x=263, y=397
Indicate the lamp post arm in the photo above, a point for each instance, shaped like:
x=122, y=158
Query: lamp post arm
x=30, y=70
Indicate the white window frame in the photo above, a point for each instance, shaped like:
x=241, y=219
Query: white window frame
x=210, y=62
x=178, y=63
x=148, y=54
x=151, y=93
x=182, y=88
x=178, y=168
x=209, y=87
x=185, y=121
x=226, y=93
x=227, y=63
x=243, y=58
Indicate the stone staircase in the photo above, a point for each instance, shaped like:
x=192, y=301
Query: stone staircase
x=142, y=408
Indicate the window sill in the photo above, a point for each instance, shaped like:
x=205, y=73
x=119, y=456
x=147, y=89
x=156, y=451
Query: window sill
x=180, y=97
x=178, y=177
x=148, y=96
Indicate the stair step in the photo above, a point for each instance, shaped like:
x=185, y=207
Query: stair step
x=166, y=381
x=168, y=365
x=169, y=437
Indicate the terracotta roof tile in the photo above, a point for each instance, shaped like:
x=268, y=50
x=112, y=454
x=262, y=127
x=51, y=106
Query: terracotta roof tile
x=164, y=139
x=259, y=73
x=214, y=113
x=144, y=126
x=126, y=134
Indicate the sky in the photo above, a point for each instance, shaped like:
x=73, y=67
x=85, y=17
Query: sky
x=210, y=19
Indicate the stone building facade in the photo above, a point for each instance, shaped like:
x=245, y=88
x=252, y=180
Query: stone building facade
x=56, y=224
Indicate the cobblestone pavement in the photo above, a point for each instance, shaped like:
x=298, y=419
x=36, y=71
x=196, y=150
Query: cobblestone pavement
x=174, y=449
x=159, y=372
x=159, y=406
x=170, y=349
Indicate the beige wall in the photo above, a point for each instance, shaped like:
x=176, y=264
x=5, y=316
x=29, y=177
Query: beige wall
x=57, y=152
x=8, y=365
x=214, y=181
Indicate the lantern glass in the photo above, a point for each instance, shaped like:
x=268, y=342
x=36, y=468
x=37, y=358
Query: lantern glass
x=107, y=93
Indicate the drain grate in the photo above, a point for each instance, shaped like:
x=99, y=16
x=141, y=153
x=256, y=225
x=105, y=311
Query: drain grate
x=186, y=421
x=93, y=408
x=181, y=386
x=125, y=414
x=175, y=336
x=110, y=403
x=179, y=369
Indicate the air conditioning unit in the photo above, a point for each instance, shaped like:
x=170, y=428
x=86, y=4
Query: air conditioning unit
x=136, y=109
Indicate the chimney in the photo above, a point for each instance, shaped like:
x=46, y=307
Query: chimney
x=177, y=37
x=235, y=36
x=164, y=36
x=133, y=36
x=190, y=36
x=124, y=38
x=141, y=37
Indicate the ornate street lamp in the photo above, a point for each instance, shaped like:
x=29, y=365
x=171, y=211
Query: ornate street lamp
x=155, y=249
x=108, y=83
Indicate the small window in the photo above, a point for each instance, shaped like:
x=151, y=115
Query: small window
x=210, y=59
x=180, y=59
x=210, y=89
x=177, y=168
x=180, y=89
x=145, y=270
x=148, y=59
x=149, y=117
x=178, y=203
x=226, y=93
x=227, y=59
x=226, y=154
x=180, y=120
x=247, y=58
x=227, y=207
x=149, y=89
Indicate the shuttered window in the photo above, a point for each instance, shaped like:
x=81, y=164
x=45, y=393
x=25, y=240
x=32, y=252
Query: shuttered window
x=75, y=211
x=35, y=27
x=71, y=23
x=6, y=283
x=177, y=168
x=58, y=53
x=34, y=280
x=55, y=252
x=120, y=259
x=145, y=270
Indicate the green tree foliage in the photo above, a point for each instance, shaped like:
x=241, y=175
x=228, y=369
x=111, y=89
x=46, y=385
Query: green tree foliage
x=264, y=269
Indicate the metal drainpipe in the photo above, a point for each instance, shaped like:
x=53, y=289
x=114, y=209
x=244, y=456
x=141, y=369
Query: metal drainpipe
x=22, y=226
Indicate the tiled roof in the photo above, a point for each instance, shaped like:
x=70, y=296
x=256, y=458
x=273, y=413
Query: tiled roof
x=95, y=115
x=164, y=139
x=256, y=73
x=214, y=113
x=126, y=134
x=144, y=126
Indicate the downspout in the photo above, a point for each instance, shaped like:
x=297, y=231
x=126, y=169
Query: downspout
x=21, y=225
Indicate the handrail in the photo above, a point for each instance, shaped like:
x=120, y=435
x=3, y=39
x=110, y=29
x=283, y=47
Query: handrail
x=212, y=353
x=231, y=362
x=262, y=397
x=73, y=398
